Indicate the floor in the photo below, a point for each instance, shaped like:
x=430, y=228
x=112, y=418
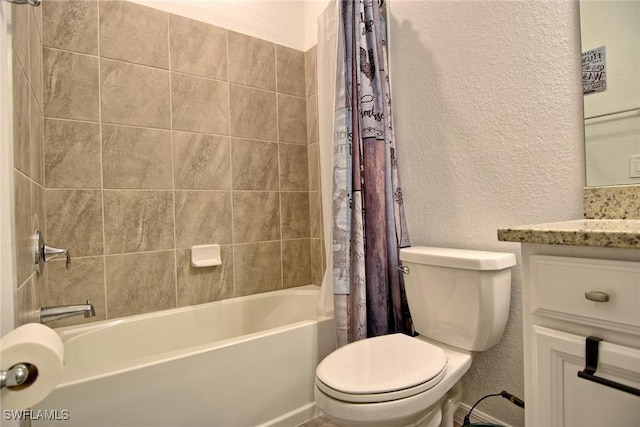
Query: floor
x=319, y=421
x=323, y=421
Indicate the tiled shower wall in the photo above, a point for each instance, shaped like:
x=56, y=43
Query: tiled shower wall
x=27, y=155
x=160, y=133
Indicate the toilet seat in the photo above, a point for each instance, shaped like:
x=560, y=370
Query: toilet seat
x=381, y=369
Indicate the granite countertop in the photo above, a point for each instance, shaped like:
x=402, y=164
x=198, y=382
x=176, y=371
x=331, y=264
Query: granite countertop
x=610, y=233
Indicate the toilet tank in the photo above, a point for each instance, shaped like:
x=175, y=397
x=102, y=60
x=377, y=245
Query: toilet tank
x=458, y=297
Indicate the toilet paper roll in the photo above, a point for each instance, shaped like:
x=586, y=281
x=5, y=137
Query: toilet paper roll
x=39, y=346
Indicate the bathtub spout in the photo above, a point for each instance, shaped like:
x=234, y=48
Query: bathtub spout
x=49, y=314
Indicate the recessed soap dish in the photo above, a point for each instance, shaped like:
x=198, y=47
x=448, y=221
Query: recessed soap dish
x=205, y=256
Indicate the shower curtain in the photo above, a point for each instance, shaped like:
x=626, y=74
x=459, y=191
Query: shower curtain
x=366, y=214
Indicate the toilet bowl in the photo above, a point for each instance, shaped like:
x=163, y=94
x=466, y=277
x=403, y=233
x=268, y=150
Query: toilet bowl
x=459, y=297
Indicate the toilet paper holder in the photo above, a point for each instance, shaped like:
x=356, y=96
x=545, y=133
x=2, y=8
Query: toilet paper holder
x=17, y=375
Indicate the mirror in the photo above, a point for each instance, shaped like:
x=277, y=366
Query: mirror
x=610, y=33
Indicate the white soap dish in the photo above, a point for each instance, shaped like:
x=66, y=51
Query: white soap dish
x=205, y=255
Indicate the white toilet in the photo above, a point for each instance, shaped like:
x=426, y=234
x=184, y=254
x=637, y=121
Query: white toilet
x=459, y=303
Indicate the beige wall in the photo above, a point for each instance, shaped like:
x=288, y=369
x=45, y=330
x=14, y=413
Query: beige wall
x=487, y=102
x=161, y=132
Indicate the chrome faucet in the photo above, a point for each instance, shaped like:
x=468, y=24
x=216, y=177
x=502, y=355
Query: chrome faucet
x=49, y=314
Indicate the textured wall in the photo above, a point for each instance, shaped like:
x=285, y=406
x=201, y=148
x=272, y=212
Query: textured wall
x=487, y=103
x=161, y=132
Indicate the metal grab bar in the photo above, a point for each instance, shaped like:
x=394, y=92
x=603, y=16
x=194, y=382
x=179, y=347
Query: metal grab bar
x=612, y=113
x=29, y=2
x=591, y=365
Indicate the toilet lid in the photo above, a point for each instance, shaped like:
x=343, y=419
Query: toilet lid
x=381, y=368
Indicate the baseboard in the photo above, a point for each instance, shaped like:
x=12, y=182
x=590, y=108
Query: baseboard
x=295, y=417
x=476, y=416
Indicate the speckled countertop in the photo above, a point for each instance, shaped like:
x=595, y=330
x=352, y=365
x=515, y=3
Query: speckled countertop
x=610, y=233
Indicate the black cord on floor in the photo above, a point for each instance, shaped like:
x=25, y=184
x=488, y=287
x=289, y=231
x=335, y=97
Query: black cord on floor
x=510, y=397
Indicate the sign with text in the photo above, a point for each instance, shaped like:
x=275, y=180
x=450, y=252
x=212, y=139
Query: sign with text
x=594, y=71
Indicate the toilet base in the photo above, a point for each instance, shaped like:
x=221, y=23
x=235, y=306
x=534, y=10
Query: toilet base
x=439, y=415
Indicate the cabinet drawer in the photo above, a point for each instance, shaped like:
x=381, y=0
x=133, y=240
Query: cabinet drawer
x=559, y=285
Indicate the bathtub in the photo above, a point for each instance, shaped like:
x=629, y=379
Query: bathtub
x=245, y=361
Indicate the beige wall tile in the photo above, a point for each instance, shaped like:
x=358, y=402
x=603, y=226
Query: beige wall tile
x=20, y=33
x=85, y=280
x=255, y=165
x=256, y=216
x=24, y=231
x=295, y=214
x=296, y=262
x=70, y=85
x=37, y=14
x=317, y=261
x=134, y=33
x=198, y=48
x=21, y=129
x=252, y=61
x=310, y=70
x=315, y=214
x=252, y=113
x=134, y=95
x=257, y=267
x=199, y=104
x=201, y=162
x=292, y=119
x=74, y=221
x=294, y=175
x=313, y=158
x=204, y=284
x=136, y=157
x=71, y=154
x=136, y=220
x=37, y=209
x=290, y=72
x=313, y=132
x=35, y=135
x=203, y=217
x=35, y=59
x=27, y=310
x=71, y=25
x=140, y=283
x=41, y=288
x=214, y=174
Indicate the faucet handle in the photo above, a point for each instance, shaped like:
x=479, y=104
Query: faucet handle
x=44, y=253
x=50, y=253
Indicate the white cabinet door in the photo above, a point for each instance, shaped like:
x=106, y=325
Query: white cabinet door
x=564, y=399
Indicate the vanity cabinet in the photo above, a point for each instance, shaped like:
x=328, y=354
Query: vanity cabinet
x=571, y=293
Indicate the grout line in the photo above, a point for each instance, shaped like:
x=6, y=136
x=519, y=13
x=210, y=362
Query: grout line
x=104, y=232
x=275, y=58
x=173, y=174
x=171, y=129
x=234, y=289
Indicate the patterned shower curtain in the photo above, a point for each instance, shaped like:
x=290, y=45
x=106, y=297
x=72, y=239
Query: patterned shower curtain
x=368, y=216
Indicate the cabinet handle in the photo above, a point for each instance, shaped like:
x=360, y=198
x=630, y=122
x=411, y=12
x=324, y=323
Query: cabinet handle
x=597, y=296
x=592, y=345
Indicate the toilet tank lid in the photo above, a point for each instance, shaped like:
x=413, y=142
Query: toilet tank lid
x=458, y=258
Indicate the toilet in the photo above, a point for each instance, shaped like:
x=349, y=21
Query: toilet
x=459, y=303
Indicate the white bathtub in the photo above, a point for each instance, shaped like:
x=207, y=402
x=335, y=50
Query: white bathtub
x=241, y=362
